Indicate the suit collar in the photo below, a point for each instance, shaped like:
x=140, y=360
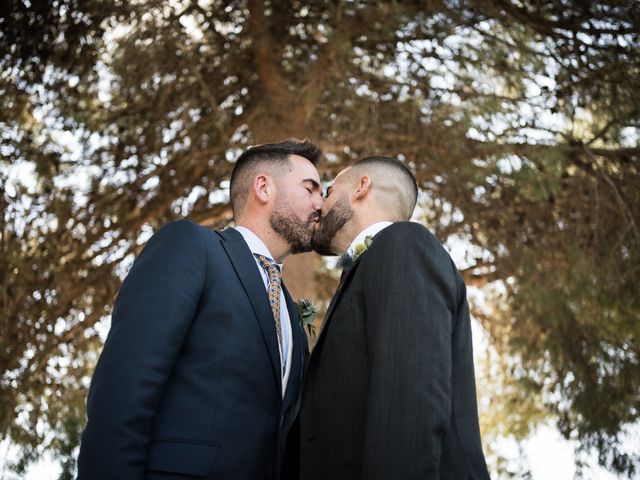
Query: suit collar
x=255, y=243
x=245, y=266
x=298, y=340
x=371, y=231
x=231, y=235
x=346, y=280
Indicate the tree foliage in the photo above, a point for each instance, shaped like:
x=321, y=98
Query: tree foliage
x=520, y=120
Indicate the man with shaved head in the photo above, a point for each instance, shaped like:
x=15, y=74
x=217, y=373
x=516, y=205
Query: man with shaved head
x=390, y=388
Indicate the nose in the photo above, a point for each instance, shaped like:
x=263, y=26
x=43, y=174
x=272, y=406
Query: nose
x=317, y=204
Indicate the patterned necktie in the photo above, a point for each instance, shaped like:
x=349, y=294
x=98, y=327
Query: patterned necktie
x=273, y=289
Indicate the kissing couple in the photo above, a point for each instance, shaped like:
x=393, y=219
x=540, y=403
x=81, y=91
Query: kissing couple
x=206, y=371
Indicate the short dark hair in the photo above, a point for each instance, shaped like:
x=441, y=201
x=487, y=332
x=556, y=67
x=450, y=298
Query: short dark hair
x=397, y=181
x=271, y=155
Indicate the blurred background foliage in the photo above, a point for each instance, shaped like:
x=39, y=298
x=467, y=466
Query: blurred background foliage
x=520, y=120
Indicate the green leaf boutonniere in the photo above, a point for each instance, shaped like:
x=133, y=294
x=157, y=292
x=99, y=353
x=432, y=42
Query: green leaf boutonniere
x=306, y=313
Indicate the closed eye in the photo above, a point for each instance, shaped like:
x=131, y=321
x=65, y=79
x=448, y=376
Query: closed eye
x=311, y=185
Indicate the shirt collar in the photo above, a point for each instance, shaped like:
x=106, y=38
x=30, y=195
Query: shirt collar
x=255, y=244
x=371, y=231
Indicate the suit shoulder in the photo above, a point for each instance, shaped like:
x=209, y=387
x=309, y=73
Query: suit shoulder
x=403, y=237
x=407, y=231
x=181, y=232
x=180, y=227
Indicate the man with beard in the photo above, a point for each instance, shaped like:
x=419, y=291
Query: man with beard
x=201, y=370
x=389, y=392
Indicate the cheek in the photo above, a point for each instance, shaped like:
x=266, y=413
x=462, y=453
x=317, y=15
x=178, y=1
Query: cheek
x=300, y=202
x=292, y=198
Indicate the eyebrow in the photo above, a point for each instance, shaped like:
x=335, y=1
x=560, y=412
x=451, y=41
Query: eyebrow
x=315, y=184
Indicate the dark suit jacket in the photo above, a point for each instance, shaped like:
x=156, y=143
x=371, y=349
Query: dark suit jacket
x=188, y=383
x=389, y=392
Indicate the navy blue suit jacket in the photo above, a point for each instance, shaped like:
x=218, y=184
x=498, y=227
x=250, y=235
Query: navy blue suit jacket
x=188, y=383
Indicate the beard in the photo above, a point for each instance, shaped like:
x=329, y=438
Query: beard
x=288, y=225
x=329, y=225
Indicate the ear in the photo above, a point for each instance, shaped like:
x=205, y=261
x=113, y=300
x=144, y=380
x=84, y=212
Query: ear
x=262, y=188
x=362, y=188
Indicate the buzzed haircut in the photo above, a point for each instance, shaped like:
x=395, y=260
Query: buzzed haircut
x=393, y=184
x=271, y=156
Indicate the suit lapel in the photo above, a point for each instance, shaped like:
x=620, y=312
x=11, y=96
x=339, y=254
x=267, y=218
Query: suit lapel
x=245, y=266
x=344, y=280
x=297, y=355
x=335, y=300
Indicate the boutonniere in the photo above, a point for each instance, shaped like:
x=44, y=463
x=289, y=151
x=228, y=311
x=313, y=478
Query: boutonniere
x=306, y=313
x=347, y=260
x=360, y=248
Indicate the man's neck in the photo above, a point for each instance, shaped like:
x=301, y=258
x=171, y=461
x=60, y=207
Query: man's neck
x=274, y=242
x=369, y=231
x=346, y=236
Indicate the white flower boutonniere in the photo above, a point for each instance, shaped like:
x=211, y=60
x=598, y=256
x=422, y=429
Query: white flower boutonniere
x=306, y=313
x=360, y=248
x=347, y=259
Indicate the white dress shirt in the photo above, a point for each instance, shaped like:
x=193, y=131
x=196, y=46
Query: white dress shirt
x=257, y=246
x=371, y=231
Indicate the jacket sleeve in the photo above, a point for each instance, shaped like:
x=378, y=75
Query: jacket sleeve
x=151, y=317
x=410, y=305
